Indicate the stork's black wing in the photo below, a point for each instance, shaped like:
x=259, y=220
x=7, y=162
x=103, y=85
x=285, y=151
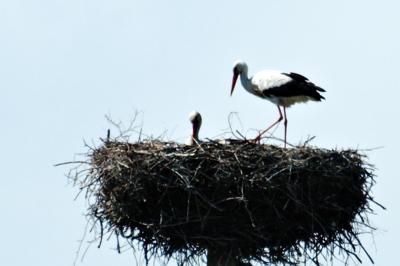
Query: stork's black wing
x=300, y=78
x=298, y=86
x=296, y=76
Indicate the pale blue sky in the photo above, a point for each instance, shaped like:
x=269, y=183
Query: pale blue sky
x=65, y=64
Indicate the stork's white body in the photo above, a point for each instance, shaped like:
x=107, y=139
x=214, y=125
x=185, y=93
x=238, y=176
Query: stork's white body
x=267, y=79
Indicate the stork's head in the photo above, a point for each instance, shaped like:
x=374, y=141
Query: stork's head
x=238, y=68
x=195, y=119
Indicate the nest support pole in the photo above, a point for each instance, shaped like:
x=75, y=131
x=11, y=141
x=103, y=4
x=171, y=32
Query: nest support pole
x=220, y=257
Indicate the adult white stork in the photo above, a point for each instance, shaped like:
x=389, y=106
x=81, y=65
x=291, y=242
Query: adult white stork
x=283, y=89
x=195, y=119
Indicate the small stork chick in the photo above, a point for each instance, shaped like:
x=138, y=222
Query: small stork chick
x=280, y=88
x=195, y=119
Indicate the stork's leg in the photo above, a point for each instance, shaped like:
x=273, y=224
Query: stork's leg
x=285, y=123
x=257, y=139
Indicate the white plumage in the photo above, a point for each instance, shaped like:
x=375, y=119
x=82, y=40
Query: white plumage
x=268, y=79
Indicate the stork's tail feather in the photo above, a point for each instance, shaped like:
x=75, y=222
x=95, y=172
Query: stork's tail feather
x=320, y=97
x=315, y=92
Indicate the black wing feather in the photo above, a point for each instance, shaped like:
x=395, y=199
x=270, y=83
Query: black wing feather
x=299, y=86
x=296, y=76
x=301, y=78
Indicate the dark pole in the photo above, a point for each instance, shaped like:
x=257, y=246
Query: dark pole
x=219, y=257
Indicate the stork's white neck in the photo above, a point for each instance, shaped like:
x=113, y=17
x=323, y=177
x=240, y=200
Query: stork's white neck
x=245, y=80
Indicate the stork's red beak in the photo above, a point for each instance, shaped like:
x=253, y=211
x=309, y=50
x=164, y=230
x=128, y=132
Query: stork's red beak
x=234, y=79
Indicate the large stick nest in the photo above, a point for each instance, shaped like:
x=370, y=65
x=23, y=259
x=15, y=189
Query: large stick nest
x=259, y=202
